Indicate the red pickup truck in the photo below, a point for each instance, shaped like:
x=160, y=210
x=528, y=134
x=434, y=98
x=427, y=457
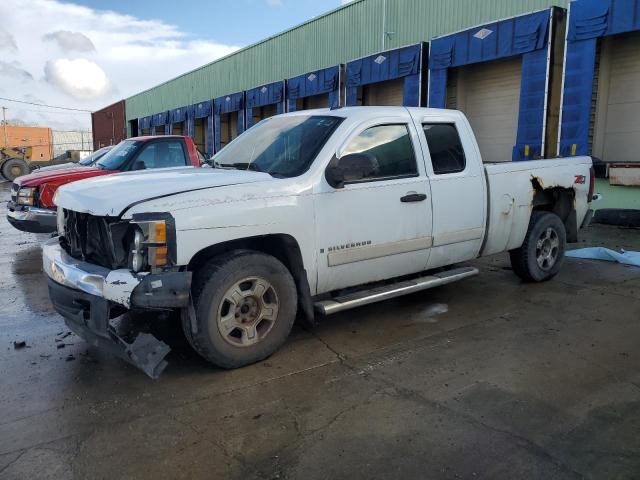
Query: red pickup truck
x=31, y=208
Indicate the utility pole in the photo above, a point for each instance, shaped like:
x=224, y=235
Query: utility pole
x=4, y=123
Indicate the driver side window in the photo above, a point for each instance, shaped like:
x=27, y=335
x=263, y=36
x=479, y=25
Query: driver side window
x=162, y=154
x=392, y=149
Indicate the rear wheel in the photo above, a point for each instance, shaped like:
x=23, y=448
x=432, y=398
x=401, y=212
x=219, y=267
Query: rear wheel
x=245, y=305
x=14, y=168
x=542, y=252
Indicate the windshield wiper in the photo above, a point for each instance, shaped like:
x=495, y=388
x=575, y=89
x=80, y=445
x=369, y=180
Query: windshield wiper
x=246, y=166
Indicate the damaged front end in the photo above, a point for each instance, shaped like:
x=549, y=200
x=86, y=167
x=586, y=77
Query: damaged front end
x=101, y=268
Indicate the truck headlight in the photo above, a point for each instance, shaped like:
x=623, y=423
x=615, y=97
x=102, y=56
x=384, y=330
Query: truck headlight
x=150, y=246
x=26, y=196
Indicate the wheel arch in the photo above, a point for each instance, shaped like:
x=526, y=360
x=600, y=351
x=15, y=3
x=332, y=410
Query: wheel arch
x=560, y=201
x=284, y=247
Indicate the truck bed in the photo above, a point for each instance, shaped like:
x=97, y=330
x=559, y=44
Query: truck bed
x=511, y=190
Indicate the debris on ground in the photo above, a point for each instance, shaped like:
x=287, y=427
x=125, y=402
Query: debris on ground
x=428, y=314
x=606, y=254
x=60, y=345
x=70, y=358
x=19, y=344
x=88, y=358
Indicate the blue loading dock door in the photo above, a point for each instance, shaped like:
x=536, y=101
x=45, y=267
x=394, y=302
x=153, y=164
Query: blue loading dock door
x=159, y=123
x=589, y=20
x=144, y=125
x=178, y=117
x=400, y=68
x=263, y=102
x=528, y=36
x=318, y=89
x=228, y=117
x=202, y=126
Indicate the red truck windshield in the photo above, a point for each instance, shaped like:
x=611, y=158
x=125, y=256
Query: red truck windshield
x=117, y=157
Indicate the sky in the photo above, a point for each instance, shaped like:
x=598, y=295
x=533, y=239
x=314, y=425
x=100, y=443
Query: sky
x=88, y=54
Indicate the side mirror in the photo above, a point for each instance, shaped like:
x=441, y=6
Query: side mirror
x=139, y=165
x=351, y=169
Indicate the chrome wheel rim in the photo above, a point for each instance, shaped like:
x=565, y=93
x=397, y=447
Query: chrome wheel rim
x=547, y=249
x=248, y=312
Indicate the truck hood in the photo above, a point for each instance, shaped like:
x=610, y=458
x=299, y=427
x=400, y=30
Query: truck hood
x=60, y=166
x=112, y=195
x=59, y=177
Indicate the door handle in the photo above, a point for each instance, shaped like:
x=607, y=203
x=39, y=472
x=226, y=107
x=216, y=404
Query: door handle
x=413, y=197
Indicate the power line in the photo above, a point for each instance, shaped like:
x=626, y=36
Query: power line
x=50, y=112
x=44, y=105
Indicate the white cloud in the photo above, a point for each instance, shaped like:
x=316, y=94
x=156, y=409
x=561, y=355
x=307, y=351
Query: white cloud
x=70, y=41
x=80, y=78
x=7, y=42
x=129, y=55
x=13, y=70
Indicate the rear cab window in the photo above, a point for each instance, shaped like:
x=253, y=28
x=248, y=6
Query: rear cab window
x=445, y=148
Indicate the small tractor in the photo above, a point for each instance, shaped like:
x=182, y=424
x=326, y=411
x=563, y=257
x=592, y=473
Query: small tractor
x=14, y=162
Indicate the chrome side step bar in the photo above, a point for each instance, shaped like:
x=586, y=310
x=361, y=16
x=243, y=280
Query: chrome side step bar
x=378, y=294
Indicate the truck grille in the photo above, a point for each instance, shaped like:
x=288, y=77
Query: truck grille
x=99, y=240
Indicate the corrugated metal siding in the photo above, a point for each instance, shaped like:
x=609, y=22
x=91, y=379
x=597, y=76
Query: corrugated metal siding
x=349, y=32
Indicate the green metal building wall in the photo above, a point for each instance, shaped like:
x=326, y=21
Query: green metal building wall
x=349, y=32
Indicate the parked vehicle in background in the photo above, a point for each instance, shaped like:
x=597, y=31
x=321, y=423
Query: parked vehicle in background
x=315, y=211
x=32, y=207
x=85, y=162
x=24, y=148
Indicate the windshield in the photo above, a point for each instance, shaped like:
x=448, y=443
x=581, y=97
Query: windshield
x=95, y=156
x=115, y=158
x=283, y=147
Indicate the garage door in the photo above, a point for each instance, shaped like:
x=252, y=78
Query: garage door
x=314, y=101
x=620, y=119
x=489, y=94
x=387, y=93
x=200, y=134
x=228, y=127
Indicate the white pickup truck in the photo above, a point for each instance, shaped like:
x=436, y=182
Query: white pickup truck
x=307, y=213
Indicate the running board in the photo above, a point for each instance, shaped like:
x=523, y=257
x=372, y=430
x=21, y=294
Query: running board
x=378, y=294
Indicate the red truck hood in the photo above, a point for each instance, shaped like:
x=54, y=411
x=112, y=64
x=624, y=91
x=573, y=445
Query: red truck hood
x=49, y=181
x=59, y=177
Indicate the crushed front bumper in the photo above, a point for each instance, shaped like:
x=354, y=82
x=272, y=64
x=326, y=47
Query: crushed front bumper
x=89, y=296
x=31, y=219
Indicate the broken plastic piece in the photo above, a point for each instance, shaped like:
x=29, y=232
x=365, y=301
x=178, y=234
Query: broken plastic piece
x=147, y=353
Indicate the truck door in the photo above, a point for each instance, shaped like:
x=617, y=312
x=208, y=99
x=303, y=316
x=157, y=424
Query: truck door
x=458, y=189
x=379, y=227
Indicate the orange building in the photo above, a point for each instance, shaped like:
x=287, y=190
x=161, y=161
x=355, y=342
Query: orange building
x=40, y=139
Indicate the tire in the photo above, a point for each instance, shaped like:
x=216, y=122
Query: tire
x=236, y=324
x=542, y=253
x=14, y=168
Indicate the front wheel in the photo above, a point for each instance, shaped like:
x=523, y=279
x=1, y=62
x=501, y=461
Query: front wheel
x=542, y=252
x=245, y=305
